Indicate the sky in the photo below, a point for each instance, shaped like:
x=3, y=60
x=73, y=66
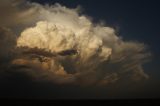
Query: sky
x=115, y=42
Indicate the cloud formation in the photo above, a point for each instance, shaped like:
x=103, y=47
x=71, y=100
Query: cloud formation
x=102, y=57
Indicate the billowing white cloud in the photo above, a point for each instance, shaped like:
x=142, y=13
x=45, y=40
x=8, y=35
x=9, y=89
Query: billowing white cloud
x=102, y=56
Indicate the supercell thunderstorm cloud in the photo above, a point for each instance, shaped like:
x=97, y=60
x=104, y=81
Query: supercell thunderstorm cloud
x=61, y=45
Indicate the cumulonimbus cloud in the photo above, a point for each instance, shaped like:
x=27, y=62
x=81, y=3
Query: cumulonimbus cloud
x=102, y=57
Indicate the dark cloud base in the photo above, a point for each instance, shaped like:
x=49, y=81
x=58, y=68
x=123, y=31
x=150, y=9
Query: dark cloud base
x=20, y=86
x=17, y=84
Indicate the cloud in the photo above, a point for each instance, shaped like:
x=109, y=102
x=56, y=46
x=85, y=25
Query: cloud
x=7, y=44
x=49, y=34
x=100, y=50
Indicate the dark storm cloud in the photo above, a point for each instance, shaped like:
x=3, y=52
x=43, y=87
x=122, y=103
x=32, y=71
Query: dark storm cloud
x=62, y=48
x=7, y=43
x=17, y=14
x=10, y=11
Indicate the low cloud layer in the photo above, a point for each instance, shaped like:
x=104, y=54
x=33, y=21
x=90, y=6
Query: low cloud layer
x=60, y=45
